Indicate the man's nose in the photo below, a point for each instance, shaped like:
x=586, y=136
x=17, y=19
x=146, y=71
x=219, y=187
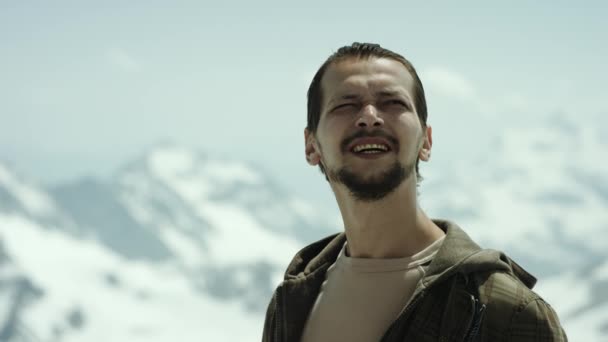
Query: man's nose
x=368, y=117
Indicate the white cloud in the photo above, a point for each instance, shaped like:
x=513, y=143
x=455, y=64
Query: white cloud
x=123, y=60
x=449, y=83
x=441, y=84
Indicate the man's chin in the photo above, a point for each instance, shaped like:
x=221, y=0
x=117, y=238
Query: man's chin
x=370, y=180
x=372, y=175
x=371, y=185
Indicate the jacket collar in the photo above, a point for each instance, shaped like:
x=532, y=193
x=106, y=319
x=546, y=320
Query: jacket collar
x=306, y=272
x=457, y=254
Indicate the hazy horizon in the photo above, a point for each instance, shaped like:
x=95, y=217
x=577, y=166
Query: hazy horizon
x=86, y=88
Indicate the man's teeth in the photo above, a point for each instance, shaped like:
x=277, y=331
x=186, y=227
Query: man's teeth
x=370, y=148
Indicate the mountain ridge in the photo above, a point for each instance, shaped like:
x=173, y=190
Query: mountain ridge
x=176, y=239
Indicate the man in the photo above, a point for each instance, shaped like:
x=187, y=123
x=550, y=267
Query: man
x=394, y=274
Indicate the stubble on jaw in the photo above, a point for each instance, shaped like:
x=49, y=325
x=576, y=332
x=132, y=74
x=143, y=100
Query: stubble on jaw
x=375, y=187
x=371, y=188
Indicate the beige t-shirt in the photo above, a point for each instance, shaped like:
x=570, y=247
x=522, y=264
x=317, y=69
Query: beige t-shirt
x=360, y=298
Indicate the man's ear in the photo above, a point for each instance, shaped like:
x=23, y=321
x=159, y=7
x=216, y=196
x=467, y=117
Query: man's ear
x=427, y=143
x=313, y=157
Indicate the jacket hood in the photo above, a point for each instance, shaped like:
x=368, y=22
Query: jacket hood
x=457, y=254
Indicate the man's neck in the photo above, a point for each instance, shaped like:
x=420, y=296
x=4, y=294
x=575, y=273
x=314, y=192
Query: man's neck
x=393, y=227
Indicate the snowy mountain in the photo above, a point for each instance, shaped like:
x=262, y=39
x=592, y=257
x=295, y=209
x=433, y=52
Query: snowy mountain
x=549, y=172
x=539, y=192
x=180, y=246
x=175, y=245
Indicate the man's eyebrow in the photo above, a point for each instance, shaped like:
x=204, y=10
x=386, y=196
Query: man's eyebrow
x=389, y=93
x=348, y=97
x=381, y=93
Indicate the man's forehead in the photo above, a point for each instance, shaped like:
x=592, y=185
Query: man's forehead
x=355, y=74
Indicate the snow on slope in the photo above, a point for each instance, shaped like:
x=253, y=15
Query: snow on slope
x=178, y=243
x=581, y=295
x=236, y=236
x=540, y=193
x=34, y=202
x=541, y=180
x=222, y=265
x=554, y=155
x=91, y=294
x=19, y=196
x=231, y=229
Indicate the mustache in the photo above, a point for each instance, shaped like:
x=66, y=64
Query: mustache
x=369, y=134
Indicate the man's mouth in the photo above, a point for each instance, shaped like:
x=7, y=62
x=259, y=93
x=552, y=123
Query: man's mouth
x=370, y=148
x=370, y=144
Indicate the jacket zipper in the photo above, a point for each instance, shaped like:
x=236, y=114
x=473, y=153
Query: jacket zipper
x=405, y=313
x=470, y=336
x=477, y=317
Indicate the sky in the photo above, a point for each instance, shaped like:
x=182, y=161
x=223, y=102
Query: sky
x=86, y=87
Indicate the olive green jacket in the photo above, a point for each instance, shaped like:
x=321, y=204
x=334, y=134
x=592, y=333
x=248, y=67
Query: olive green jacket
x=467, y=294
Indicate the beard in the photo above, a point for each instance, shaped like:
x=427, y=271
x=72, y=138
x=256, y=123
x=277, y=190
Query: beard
x=372, y=188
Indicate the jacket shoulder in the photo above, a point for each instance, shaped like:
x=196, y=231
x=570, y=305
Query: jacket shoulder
x=516, y=313
x=269, y=321
x=537, y=321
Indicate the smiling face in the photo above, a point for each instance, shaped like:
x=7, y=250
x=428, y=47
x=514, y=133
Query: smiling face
x=369, y=135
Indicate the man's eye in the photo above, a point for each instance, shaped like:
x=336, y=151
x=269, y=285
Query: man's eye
x=396, y=102
x=344, y=105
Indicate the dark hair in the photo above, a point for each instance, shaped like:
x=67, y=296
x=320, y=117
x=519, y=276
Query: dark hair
x=361, y=50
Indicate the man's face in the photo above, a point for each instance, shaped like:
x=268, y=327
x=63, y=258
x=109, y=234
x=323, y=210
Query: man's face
x=369, y=135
